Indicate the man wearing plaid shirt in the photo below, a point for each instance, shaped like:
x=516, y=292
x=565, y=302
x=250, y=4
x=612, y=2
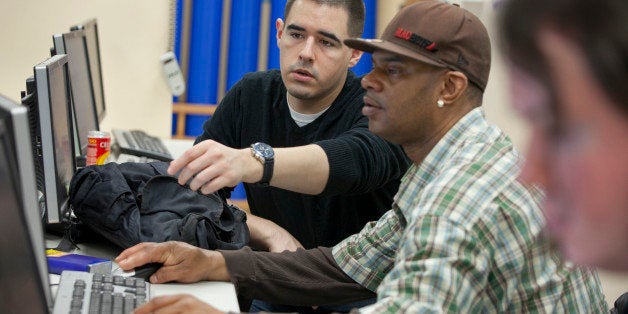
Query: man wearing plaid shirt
x=464, y=234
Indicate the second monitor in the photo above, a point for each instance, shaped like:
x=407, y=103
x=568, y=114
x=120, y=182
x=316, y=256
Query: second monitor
x=49, y=104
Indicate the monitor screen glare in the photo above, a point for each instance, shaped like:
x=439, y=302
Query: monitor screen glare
x=85, y=112
x=90, y=29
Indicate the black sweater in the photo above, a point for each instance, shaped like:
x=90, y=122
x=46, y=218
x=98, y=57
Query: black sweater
x=364, y=169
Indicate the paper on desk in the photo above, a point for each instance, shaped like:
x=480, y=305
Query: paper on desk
x=220, y=295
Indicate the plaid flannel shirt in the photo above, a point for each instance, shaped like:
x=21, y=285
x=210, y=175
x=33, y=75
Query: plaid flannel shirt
x=464, y=235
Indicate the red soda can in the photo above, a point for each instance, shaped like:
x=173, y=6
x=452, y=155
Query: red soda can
x=98, y=147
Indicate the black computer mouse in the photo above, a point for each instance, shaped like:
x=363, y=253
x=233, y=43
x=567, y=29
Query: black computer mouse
x=146, y=270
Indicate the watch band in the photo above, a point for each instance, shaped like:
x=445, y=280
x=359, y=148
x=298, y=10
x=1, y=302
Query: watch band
x=269, y=165
x=264, y=154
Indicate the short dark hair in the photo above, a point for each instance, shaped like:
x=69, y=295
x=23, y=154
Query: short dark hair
x=354, y=8
x=597, y=27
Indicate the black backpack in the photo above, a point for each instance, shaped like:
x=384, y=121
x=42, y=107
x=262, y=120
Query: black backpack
x=130, y=203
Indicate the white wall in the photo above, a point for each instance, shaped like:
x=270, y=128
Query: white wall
x=133, y=34
x=496, y=98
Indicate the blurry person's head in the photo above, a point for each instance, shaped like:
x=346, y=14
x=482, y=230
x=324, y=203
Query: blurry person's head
x=430, y=68
x=410, y=2
x=313, y=59
x=568, y=63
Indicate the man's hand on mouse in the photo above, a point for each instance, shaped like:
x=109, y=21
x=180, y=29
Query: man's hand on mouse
x=181, y=262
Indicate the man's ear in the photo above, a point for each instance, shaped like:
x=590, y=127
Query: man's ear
x=279, y=26
x=455, y=85
x=355, y=57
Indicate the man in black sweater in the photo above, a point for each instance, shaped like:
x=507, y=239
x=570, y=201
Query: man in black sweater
x=320, y=173
x=331, y=175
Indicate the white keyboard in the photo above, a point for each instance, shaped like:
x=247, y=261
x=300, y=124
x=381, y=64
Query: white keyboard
x=83, y=292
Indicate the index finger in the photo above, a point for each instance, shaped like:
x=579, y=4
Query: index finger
x=135, y=256
x=189, y=155
x=130, y=251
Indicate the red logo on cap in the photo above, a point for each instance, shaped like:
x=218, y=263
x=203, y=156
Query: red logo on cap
x=415, y=39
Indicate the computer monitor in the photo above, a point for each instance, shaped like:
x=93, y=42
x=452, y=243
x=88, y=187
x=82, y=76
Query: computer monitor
x=49, y=103
x=23, y=268
x=90, y=29
x=85, y=115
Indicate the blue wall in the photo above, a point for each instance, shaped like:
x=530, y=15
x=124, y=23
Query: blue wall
x=365, y=64
x=204, y=60
x=276, y=11
x=243, y=39
x=243, y=50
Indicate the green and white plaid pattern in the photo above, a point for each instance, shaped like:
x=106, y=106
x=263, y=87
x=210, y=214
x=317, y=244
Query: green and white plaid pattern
x=465, y=236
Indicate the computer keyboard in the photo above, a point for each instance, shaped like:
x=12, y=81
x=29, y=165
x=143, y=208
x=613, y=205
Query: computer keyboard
x=139, y=143
x=83, y=292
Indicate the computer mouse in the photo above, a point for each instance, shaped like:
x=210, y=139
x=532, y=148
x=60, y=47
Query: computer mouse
x=146, y=270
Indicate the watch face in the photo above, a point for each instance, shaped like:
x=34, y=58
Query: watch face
x=264, y=150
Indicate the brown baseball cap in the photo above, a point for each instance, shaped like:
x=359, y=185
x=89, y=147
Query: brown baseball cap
x=439, y=34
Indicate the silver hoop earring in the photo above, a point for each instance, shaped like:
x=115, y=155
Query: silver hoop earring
x=440, y=103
